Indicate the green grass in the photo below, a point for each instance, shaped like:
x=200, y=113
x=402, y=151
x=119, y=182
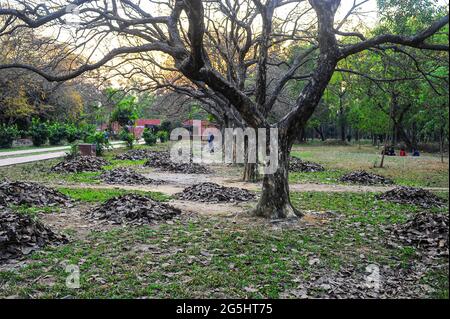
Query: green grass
x=123, y=163
x=178, y=261
x=424, y=171
x=101, y=195
x=81, y=177
x=35, y=210
x=358, y=206
x=439, y=280
x=207, y=257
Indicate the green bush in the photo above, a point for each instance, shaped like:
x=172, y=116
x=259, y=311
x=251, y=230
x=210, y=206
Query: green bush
x=125, y=112
x=56, y=133
x=101, y=142
x=8, y=133
x=74, y=151
x=149, y=137
x=86, y=131
x=127, y=137
x=163, y=136
x=72, y=133
x=166, y=125
x=38, y=132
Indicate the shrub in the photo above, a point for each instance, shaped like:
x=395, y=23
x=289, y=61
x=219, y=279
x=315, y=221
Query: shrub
x=72, y=133
x=74, y=151
x=127, y=137
x=56, y=133
x=166, y=126
x=149, y=137
x=125, y=112
x=7, y=135
x=86, y=131
x=101, y=142
x=38, y=132
x=163, y=136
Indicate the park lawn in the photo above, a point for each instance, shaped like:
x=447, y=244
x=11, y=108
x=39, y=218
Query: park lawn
x=102, y=195
x=209, y=257
x=424, y=171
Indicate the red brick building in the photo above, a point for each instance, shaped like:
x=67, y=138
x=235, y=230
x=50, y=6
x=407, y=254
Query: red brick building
x=139, y=126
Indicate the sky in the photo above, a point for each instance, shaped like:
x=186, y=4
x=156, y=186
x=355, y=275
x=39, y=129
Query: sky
x=368, y=11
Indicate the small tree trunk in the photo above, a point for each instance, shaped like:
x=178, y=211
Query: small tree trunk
x=275, y=202
x=319, y=131
x=386, y=138
x=251, y=173
x=441, y=143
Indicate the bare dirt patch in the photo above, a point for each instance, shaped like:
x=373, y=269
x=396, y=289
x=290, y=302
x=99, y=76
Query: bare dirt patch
x=73, y=220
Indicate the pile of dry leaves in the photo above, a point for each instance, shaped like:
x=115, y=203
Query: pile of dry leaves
x=79, y=164
x=211, y=192
x=411, y=195
x=427, y=231
x=30, y=194
x=365, y=178
x=300, y=166
x=20, y=235
x=141, y=154
x=126, y=176
x=164, y=163
x=133, y=209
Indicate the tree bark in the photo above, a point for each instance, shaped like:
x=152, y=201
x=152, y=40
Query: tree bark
x=251, y=174
x=342, y=121
x=275, y=202
x=319, y=131
x=441, y=143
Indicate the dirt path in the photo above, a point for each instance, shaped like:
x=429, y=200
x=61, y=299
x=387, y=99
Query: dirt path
x=173, y=188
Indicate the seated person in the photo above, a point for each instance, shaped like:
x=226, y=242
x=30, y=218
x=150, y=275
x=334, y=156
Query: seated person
x=416, y=153
x=402, y=152
x=391, y=151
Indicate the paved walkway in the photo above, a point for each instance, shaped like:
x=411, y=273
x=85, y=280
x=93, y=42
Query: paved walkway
x=43, y=150
x=29, y=157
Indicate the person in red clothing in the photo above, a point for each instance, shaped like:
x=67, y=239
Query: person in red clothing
x=402, y=152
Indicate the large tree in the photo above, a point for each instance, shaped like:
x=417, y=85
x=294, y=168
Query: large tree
x=183, y=30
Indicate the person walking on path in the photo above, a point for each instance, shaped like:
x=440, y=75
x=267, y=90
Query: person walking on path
x=211, y=142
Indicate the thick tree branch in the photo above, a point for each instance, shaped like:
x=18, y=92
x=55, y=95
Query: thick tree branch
x=417, y=41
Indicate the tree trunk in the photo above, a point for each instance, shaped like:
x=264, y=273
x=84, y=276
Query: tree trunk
x=319, y=131
x=342, y=121
x=275, y=202
x=410, y=144
x=441, y=143
x=251, y=173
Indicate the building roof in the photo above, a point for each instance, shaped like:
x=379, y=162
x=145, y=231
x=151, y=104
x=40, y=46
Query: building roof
x=143, y=122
